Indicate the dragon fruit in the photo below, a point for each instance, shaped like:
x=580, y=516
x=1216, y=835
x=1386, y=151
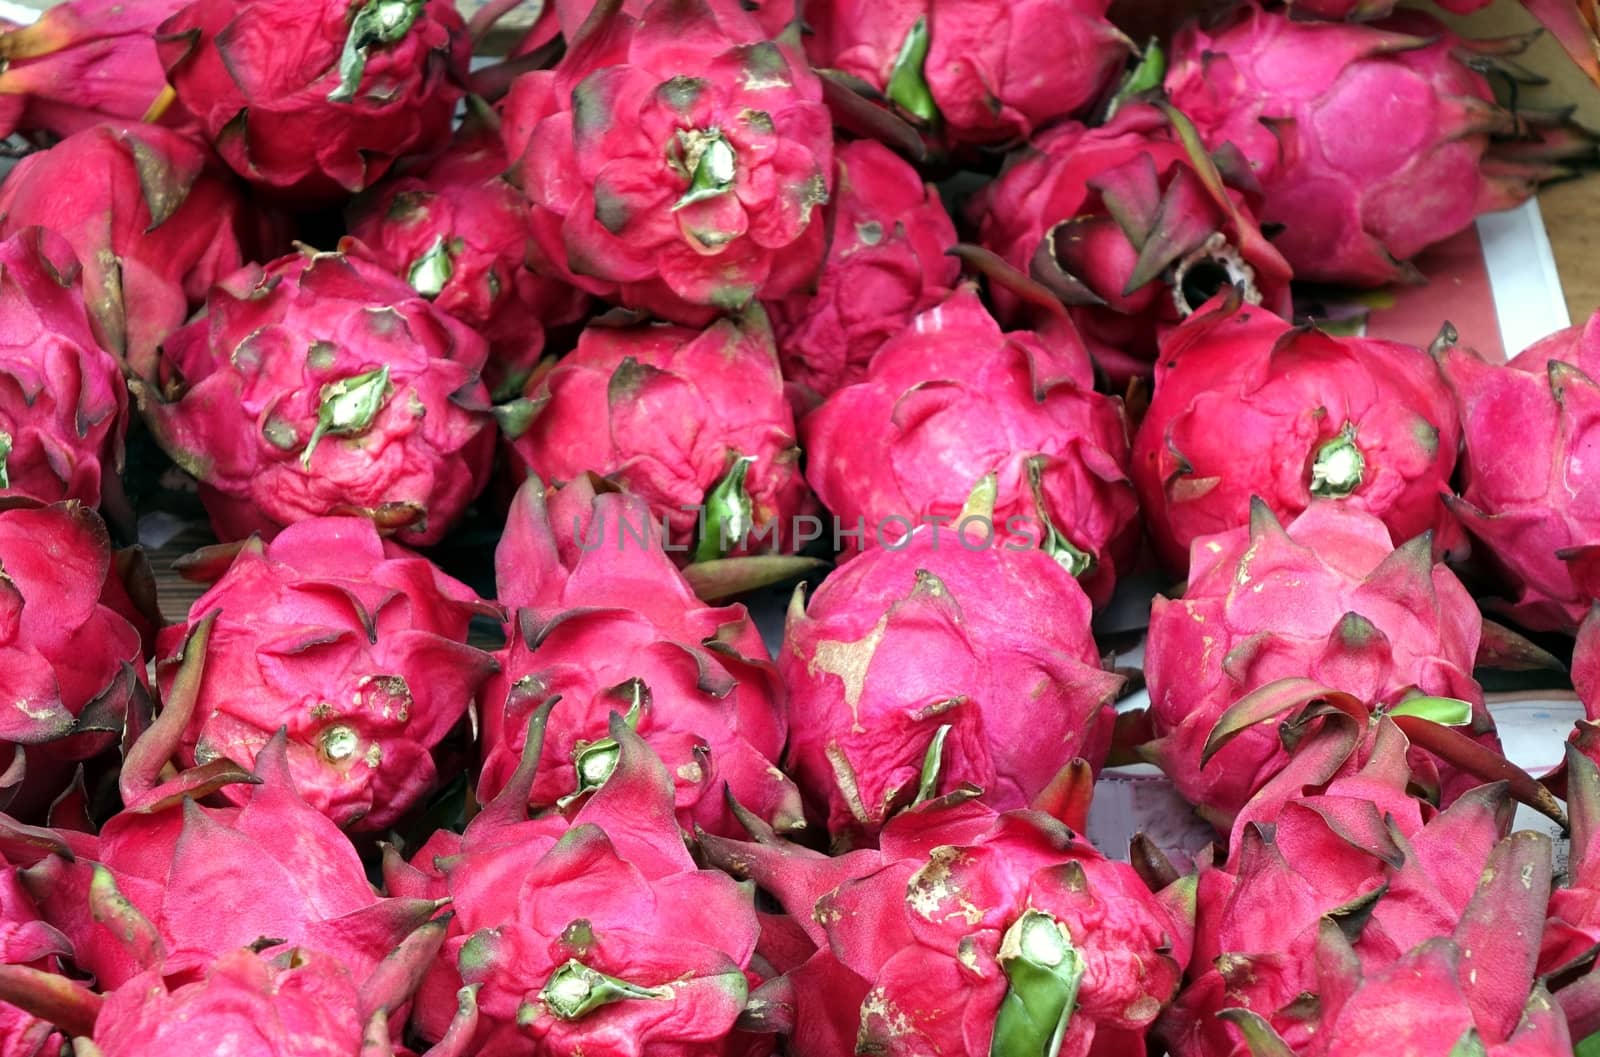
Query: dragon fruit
x=1328, y=598
x=591, y=937
x=969, y=933
x=953, y=399
x=458, y=233
x=982, y=72
x=694, y=422
x=1131, y=227
x=352, y=643
x=152, y=227
x=63, y=407
x=321, y=384
x=604, y=621
x=1402, y=930
x=297, y=1003
x=28, y=945
x=1572, y=934
x=72, y=664
x=1248, y=406
x=312, y=102
x=81, y=63
x=886, y=263
x=141, y=894
x=1298, y=100
x=1526, y=501
x=675, y=162
x=940, y=661
x=1586, y=680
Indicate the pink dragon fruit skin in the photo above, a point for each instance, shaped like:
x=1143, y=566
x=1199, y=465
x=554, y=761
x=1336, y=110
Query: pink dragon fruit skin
x=321, y=384
x=580, y=937
x=915, y=942
x=352, y=643
x=1417, y=932
x=1249, y=406
x=302, y=1004
x=1572, y=931
x=981, y=654
x=72, y=664
x=298, y=1003
x=1586, y=681
x=458, y=233
x=1328, y=597
x=312, y=102
x=1130, y=229
x=152, y=227
x=674, y=414
x=953, y=399
x=83, y=62
x=26, y=940
x=1358, y=195
x=141, y=895
x=886, y=263
x=605, y=621
x=63, y=406
x=979, y=71
x=675, y=162
x=1527, y=501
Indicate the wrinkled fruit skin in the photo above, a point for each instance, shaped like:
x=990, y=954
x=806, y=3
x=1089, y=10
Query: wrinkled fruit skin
x=1118, y=222
x=1304, y=103
x=953, y=398
x=354, y=644
x=71, y=662
x=1529, y=427
x=458, y=232
x=152, y=227
x=245, y=385
x=82, y=62
x=297, y=1004
x=676, y=162
x=614, y=890
x=1414, y=928
x=142, y=895
x=995, y=70
x=993, y=641
x=605, y=620
x=1247, y=406
x=666, y=411
x=63, y=406
x=910, y=940
x=886, y=263
x=258, y=77
x=1328, y=598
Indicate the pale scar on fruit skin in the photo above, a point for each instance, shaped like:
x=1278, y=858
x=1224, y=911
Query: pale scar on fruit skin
x=930, y=887
x=849, y=661
x=21, y=705
x=894, y=1024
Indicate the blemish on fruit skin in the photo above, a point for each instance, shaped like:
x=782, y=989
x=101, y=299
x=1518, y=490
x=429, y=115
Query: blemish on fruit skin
x=849, y=661
x=931, y=888
x=880, y=1019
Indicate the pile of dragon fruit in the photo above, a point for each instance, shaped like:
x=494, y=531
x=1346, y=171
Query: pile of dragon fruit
x=513, y=356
